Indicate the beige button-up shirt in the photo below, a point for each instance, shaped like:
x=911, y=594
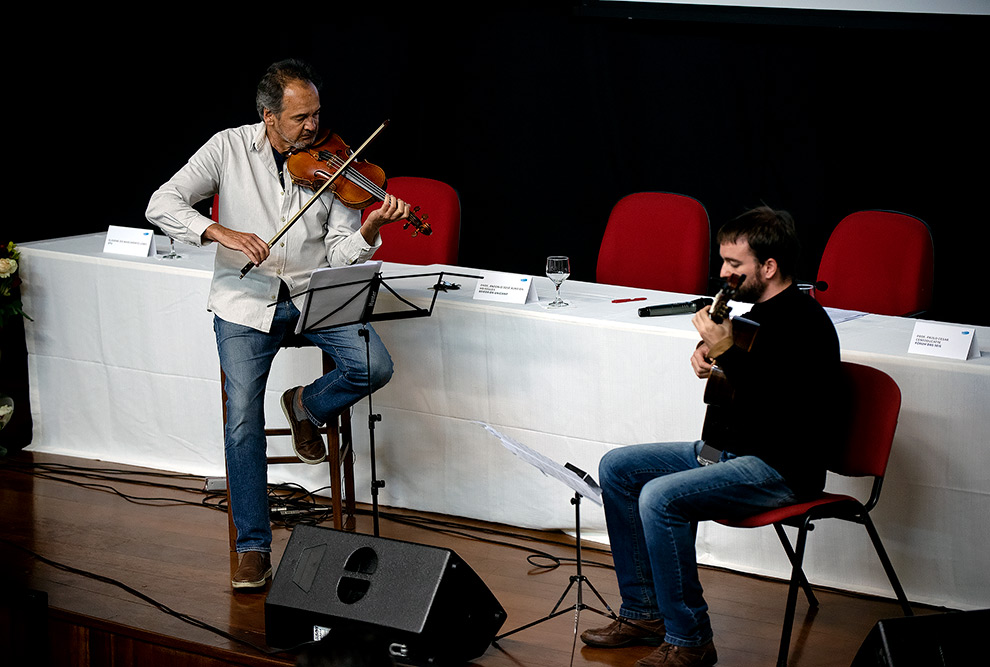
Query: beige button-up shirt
x=239, y=165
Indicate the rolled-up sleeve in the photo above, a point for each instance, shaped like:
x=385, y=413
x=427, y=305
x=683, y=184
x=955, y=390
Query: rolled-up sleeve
x=171, y=206
x=344, y=242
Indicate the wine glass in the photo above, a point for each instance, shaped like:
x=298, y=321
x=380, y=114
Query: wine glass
x=171, y=250
x=558, y=269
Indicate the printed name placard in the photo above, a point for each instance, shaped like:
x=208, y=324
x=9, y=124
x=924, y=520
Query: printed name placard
x=130, y=241
x=944, y=340
x=507, y=288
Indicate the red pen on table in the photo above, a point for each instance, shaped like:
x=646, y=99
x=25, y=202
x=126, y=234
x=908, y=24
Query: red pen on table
x=638, y=298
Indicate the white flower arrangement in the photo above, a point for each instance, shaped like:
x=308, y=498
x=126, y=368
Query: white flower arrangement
x=5, y=413
x=10, y=302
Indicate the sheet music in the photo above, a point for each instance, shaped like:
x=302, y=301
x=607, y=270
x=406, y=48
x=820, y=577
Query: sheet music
x=548, y=466
x=335, y=295
x=838, y=316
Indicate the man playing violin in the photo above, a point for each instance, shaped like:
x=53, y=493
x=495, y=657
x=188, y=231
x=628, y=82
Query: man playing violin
x=245, y=167
x=772, y=447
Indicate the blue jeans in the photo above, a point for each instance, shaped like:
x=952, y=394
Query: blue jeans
x=654, y=496
x=246, y=356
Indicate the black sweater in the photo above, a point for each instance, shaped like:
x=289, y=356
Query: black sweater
x=785, y=389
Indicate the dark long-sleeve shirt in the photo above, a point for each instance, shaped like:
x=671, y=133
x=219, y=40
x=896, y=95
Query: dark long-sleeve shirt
x=785, y=402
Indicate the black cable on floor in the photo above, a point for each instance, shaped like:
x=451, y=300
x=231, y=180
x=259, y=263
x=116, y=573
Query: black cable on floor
x=185, y=618
x=290, y=505
x=297, y=505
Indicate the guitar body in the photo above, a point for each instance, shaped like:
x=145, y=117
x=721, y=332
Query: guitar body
x=718, y=390
x=718, y=397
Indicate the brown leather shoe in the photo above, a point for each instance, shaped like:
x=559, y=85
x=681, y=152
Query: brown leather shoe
x=253, y=571
x=669, y=655
x=306, y=439
x=625, y=632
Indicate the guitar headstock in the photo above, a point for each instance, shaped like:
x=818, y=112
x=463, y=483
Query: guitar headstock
x=720, y=307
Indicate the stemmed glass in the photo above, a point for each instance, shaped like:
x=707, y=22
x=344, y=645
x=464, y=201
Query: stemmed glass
x=171, y=250
x=558, y=269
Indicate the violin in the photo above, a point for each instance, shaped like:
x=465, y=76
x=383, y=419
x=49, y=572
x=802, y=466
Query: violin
x=360, y=185
x=330, y=161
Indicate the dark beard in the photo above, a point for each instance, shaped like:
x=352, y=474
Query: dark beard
x=751, y=290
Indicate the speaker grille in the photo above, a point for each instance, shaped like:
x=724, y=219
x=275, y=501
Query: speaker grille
x=425, y=599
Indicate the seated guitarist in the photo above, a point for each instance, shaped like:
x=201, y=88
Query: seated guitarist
x=771, y=448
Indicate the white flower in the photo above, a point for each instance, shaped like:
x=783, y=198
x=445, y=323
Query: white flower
x=8, y=267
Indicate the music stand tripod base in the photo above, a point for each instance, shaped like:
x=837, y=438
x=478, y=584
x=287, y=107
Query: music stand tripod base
x=580, y=579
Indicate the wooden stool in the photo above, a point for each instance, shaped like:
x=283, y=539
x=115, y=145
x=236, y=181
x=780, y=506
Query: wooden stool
x=340, y=458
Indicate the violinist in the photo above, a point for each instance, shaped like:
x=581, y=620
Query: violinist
x=246, y=167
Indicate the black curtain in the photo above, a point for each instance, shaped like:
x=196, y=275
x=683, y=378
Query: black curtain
x=543, y=117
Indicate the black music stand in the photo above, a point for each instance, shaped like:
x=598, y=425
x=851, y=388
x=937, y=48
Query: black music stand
x=583, y=486
x=346, y=295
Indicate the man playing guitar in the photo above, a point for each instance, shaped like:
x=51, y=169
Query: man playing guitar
x=767, y=445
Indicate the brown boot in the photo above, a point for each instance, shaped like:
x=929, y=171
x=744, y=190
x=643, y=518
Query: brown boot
x=254, y=569
x=625, y=632
x=306, y=439
x=669, y=655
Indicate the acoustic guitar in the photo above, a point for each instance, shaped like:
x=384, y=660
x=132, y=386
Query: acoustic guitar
x=718, y=390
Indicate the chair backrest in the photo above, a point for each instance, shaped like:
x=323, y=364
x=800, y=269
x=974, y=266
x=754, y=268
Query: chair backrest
x=437, y=200
x=874, y=402
x=656, y=240
x=878, y=262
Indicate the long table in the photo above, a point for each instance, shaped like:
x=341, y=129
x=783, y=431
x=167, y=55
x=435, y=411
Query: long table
x=123, y=368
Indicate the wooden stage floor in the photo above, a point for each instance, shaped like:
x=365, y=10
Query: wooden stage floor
x=135, y=568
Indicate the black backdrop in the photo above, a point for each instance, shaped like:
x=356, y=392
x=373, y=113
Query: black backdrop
x=544, y=116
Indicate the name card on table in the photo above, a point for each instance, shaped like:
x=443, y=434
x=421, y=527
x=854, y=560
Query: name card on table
x=507, y=288
x=130, y=241
x=944, y=340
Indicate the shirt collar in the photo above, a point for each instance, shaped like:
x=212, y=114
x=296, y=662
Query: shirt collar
x=261, y=138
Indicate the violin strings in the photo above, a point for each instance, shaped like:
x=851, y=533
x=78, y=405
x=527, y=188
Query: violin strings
x=360, y=179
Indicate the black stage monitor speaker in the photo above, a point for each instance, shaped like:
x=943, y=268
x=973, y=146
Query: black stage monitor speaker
x=933, y=640
x=425, y=604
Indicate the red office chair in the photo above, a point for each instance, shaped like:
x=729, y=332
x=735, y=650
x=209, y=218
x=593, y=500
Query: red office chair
x=878, y=262
x=656, y=240
x=440, y=203
x=875, y=401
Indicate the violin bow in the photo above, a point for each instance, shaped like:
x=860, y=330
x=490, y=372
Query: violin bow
x=316, y=195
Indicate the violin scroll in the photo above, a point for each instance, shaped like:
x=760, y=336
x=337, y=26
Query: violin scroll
x=419, y=223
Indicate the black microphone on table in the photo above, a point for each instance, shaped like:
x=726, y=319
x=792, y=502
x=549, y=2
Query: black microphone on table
x=675, y=308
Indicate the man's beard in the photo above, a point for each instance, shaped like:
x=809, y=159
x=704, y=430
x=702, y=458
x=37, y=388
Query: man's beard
x=751, y=289
x=305, y=140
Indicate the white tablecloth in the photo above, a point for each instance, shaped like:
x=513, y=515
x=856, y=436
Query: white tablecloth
x=123, y=367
